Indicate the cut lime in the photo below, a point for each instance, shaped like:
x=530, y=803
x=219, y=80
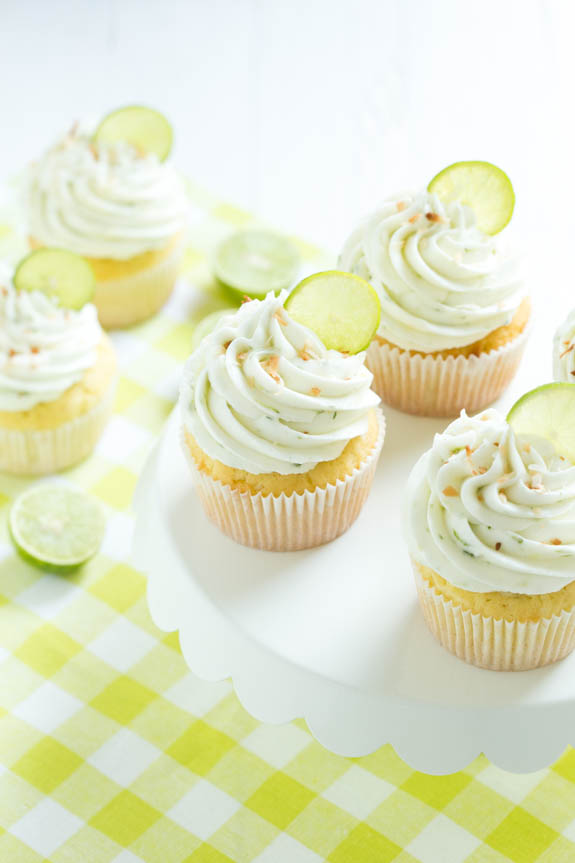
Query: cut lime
x=342, y=309
x=256, y=262
x=548, y=412
x=206, y=325
x=56, y=527
x=146, y=130
x=58, y=273
x=483, y=187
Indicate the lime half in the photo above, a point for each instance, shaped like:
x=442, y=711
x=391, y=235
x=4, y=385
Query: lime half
x=483, y=187
x=256, y=262
x=56, y=527
x=342, y=309
x=206, y=325
x=548, y=412
x=145, y=129
x=60, y=274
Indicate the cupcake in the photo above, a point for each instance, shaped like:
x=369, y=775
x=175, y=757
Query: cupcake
x=122, y=209
x=57, y=375
x=282, y=434
x=490, y=521
x=454, y=313
x=564, y=351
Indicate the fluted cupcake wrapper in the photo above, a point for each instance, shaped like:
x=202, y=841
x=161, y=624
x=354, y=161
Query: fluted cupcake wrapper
x=500, y=645
x=435, y=386
x=29, y=452
x=288, y=522
x=131, y=299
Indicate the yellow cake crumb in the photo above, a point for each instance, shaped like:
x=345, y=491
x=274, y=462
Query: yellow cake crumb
x=520, y=607
x=323, y=474
x=492, y=341
x=76, y=401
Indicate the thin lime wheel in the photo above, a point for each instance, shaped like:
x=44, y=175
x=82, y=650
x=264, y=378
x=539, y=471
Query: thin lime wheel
x=61, y=274
x=56, y=527
x=145, y=129
x=548, y=412
x=342, y=309
x=483, y=187
x=208, y=325
x=255, y=262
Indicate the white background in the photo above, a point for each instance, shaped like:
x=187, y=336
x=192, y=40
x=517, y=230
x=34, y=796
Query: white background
x=311, y=111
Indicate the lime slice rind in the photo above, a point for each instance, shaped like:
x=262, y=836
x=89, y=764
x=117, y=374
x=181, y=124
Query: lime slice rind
x=255, y=262
x=341, y=308
x=55, y=527
x=145, y=129
x=483, y=187
x=62, y=275
x=547, y=412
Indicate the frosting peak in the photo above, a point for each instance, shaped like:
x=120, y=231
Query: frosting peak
x=263, y=394
x=104, y=201
x=490, y=510
x=44, y=349
x=442, y=282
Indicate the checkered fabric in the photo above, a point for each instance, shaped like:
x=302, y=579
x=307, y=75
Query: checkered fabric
x=111, y=750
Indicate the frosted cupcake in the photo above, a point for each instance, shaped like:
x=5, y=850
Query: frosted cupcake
x=491, y=531
x=564, y=351
x=454, y=312
x=122, y=209
x=57, y=375
x=282, y=434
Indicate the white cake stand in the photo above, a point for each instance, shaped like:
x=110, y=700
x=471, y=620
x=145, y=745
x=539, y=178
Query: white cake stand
x=335, y=634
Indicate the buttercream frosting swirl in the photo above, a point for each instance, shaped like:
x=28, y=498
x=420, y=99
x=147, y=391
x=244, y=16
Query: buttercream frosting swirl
x=263, y=394
x=441, y=281
x=44, y=349
x=490, y=510
x=104, y=201
x=564, y=351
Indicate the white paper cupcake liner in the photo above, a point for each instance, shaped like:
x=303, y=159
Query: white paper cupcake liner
x=288, y=522
x=500, y=645
x=132, y=299
x=27, y=452
x=434, y=386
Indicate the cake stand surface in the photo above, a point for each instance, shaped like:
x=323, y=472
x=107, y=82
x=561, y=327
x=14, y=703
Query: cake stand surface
x=334, y=634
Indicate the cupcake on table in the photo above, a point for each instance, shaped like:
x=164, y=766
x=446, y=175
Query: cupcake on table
x=110, y=196
x=490, y=515
x=564, y=351
x=57, y=367
x=281, y=428
x=454, y=312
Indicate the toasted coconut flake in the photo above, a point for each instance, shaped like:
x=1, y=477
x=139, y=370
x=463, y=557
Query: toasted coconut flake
x=433, y=217
x=414, y=218
x=555, y=541
x=246, y=299
x=271, y=367
x=12, y=352
x=449, y=491
x=315, y=391
x=279, y=319
x=401, y=205
x=497, y=546
x=566, y=351
x=241, y=357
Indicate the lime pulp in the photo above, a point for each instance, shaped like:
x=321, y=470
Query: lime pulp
x=483, y=187
x=62, y=275
x=145, y=129
x=548, y=412
x=56, y=527
x=255, y=262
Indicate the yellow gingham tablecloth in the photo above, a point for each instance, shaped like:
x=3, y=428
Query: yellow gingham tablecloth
x=111, y=750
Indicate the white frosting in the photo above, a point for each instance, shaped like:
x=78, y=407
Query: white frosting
x=442, y=282
x=564, y=351
x=104, y=202
x=488, y=510
x=44, y=349
x=262, y=393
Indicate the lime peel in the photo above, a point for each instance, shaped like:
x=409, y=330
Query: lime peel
x=341, y=308
x=60, y=274
x=548, y=412
x=56, y=527
x=145, y=129
x=480, y=185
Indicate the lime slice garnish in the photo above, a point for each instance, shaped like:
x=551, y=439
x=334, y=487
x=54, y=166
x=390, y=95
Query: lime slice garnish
x=548, y=412
x=146, y=130
x=256, y=262
x=207, y=324
x=483, y=187
x=60, y=274
x=56, y=527
x=342, y=309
